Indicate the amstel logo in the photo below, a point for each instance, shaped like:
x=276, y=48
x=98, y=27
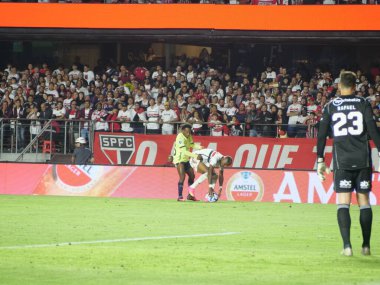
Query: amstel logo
x=245, y=186
x=77, y=178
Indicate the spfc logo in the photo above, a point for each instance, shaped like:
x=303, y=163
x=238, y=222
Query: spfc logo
x=117, y=148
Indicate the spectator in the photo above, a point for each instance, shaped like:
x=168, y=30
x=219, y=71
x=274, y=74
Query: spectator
x=294, y=110
x=301, y=123
x=35, y=125
x=75, y=72
x=85, y=115
x=124, y=116
x=281, y=121
x=99, y=117
x=279, y=101
x=231, y=110
x=18, y=126
x=184, y=115
x=88, y=74
x=112, y=118
x=59, y=112
x=153, y=114
x=130, y=103
x=376, y=113
x=312, y=125
x=50, y=102
x=215, y=125
x=168, y=117
x=270, y=75
x=72, y=125
x=67, y=101
x=52, y=90
x=180, y=101
x=175, y=108
x=158, y=72
x=312, y=107
x=251, y=120
x=238, y=98
x=234, y=126
x=265, y=118
x=241, y=113
x=5, y=113
x=197, y=123
x=138, y=118
x=80, y=100
x=46, y=113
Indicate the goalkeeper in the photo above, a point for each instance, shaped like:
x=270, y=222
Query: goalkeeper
x=351, y=120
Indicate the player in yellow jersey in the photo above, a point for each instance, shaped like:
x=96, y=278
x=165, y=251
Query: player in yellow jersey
x=182, y=153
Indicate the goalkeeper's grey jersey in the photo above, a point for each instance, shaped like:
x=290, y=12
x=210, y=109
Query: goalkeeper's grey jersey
x=349, y=120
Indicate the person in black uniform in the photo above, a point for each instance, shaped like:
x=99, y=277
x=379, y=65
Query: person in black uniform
x=350, y=119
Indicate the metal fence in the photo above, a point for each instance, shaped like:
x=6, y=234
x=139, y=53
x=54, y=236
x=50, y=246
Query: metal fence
x=25, y=136
x=49, y=137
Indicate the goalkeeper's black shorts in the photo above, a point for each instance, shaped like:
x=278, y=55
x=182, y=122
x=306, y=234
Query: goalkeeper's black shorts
x=350, y=180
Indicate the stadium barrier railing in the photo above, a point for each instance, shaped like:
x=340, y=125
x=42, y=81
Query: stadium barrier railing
x=20, y=136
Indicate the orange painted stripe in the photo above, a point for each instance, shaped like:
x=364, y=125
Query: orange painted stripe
x=191, y=16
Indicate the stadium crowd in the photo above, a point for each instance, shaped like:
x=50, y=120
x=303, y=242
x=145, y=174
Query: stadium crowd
x=117, y=98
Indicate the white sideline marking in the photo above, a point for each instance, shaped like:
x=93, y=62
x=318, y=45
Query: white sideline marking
x=116, y=240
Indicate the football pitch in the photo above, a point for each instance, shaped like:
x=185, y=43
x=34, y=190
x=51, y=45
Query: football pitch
x=82, y=240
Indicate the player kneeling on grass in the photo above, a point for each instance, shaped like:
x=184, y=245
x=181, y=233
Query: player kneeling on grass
x=211, y=159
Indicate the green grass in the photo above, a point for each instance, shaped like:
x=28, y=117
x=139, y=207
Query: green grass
x=277, y=244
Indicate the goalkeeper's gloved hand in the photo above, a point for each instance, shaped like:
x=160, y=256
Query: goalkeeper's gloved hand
x=322, y=169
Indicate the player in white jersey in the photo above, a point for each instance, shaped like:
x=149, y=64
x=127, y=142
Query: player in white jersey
x=211, y=159
x=167, y=117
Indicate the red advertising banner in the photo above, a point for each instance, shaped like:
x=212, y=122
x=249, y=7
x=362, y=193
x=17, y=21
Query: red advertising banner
x=161, y=183
x=247, y=152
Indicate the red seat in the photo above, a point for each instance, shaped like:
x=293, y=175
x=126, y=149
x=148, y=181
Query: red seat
x=48, y=147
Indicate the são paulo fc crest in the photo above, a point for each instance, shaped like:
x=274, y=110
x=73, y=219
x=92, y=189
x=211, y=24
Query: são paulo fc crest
x=245, y=186
x=117, y=148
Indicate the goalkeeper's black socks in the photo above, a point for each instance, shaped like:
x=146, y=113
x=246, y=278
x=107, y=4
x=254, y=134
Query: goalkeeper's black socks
x=344, y=221
x=180, y=189
x=366, y=224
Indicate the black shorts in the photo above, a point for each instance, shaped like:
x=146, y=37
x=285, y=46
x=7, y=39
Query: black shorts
x=350, y=180
x=186, y=165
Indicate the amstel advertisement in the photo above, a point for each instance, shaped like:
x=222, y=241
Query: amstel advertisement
x=161, y=183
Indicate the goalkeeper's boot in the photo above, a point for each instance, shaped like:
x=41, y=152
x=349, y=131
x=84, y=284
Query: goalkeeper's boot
x=366, y=250
x=180, y=199
x=347, y=251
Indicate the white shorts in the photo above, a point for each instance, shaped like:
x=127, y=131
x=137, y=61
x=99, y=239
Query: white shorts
x=194, y=163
